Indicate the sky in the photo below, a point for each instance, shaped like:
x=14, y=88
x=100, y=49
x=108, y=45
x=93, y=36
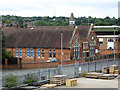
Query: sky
x=28, y=8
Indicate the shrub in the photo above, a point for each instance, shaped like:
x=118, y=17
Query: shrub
x=11, y=81
x=30, y=79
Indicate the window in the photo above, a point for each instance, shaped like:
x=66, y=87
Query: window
x=50, y=53
x=110, y=40
x=100, y=41
x=31, y=51
x=16, y=52
x=76, y=51
x=92, y=51
x=83, y=54
x=38, y=53
x=54, y=54
x=42, y=53
x=20, y=52
x=93, y=43
x=27, y=52
x=119, y=39
x=85, y=45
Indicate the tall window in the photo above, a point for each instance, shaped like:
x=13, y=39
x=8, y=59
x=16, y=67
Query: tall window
x=27, y=52
x=31, y=51
x=38, y=53
x=50, y=53
x=20, y=52
x=54, y=54
x=110, y=40
x=92, y=51
x=16, y=52
x=83, y=54
x=42, y=53
x=76, y=49
x=85, y=45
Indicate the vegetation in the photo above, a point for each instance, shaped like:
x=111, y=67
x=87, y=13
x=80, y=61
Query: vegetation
x=30, y=79
x=7, y=55
x=56, y=21
x=11, y=81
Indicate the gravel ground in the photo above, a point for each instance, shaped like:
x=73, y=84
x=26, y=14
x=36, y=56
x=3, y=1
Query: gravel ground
x=93, y=83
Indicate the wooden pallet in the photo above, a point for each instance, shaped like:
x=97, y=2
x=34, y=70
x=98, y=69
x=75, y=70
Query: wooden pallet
x=71, y=82
x=113, y=68
x=49, y=85
x=93, y=75
x=107, y=76
x=105, y=70
x=58, y=79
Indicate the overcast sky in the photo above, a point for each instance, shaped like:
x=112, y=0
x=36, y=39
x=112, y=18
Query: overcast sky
x=94, y=8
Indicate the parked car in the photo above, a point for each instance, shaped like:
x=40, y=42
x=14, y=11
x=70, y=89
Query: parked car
x=52, y=60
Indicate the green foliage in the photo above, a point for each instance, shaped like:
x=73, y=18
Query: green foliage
x=58, y=21
x=26, y=26
x=6, y=54
x=11, y=81
x=30, y=79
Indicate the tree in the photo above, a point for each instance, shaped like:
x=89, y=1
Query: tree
x=20, y=23
x=6, y=54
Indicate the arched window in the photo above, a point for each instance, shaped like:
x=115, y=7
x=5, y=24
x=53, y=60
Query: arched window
x=76, y=49
x=42, y=53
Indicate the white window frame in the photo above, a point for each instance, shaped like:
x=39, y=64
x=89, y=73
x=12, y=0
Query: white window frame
x=17, y=52
x=31, y=53
x=84, y=45
x=42, y=53
x=54, y=54
x=20, y=52
x=38, y=53
x=50, y=53
x=28, y=52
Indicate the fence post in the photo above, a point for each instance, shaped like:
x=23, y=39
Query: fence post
x=88, y=64
x=39, y=75
x=95, y=63
x=48, y=73
x=59, y=71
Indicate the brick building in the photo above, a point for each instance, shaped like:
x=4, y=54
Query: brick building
x=42, y=43
x=108, y=39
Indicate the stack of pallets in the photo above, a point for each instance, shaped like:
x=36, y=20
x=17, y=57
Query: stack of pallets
x=105, y=70
x=93, y=75
x=58, y=79
x=112, y=69
x=107, y=76
x=71, y=82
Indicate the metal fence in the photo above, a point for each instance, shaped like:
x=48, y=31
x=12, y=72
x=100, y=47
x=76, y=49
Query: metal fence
x=71, y=70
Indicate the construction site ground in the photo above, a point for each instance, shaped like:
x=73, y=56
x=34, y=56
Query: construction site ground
x=93, y=83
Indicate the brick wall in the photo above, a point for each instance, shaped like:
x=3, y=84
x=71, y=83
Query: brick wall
x=103, y=48
x=48, y=65
x=25, y=59
x=6, y=66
